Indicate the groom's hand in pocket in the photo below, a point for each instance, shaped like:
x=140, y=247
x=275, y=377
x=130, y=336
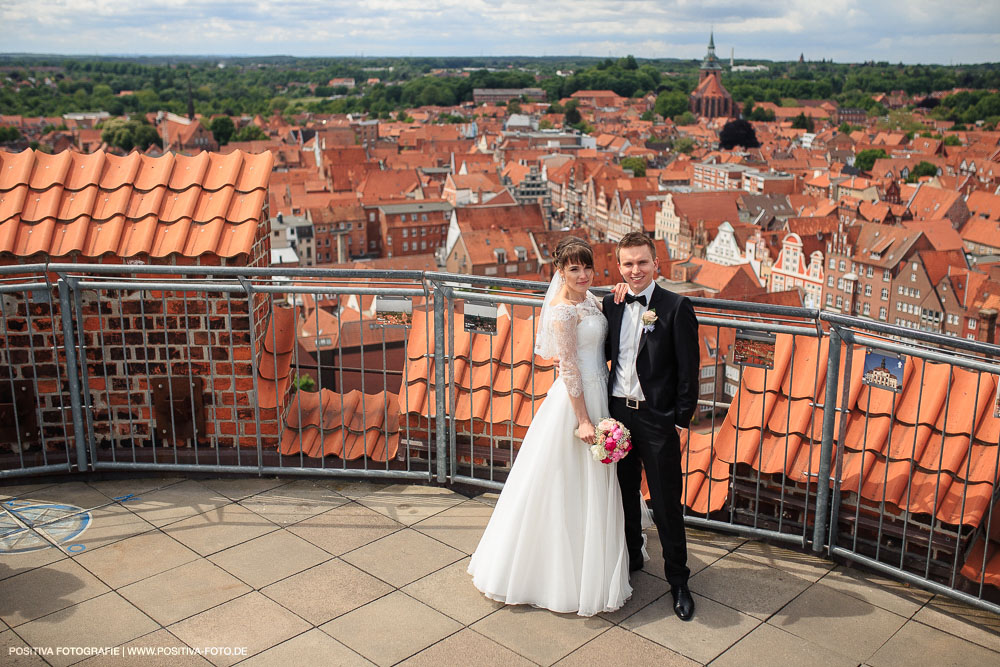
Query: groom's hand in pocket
x=620, y=290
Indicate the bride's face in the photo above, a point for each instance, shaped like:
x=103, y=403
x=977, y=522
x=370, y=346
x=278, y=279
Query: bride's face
x=578, y=278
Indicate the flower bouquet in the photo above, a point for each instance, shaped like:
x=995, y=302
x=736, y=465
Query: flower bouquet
x=613, y=441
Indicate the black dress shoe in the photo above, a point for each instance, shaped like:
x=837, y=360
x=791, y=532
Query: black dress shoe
x=683, y=602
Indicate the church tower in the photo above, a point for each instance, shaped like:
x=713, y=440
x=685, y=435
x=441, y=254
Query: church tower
x=710, y=99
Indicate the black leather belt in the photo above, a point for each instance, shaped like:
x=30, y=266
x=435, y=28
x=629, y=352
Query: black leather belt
x=631, y=403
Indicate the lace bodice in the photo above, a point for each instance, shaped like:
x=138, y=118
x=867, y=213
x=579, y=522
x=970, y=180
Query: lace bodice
x=579, y=331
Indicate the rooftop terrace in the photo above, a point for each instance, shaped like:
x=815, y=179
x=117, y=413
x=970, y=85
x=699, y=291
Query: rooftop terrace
x=337, y=572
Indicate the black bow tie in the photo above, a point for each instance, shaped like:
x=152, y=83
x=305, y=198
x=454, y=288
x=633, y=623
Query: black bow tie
x=629, y=298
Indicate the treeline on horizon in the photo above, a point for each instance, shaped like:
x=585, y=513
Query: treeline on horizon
x=247, y=86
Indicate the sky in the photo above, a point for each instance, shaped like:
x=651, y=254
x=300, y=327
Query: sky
x=910, y=31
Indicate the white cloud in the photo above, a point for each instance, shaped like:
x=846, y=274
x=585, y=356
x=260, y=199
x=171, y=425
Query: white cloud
x=845, y=30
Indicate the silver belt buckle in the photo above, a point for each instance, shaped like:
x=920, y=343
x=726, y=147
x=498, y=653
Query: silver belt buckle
x=632, y=403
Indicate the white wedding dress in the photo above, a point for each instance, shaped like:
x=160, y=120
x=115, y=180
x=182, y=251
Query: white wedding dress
x=556, y=538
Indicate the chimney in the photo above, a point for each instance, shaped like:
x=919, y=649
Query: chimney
x=988, y=316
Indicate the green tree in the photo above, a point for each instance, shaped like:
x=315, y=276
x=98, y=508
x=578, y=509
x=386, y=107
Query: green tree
x=671, y=103
x=922, y=169
x=222, y=129
x=250, y=132
x=684, y=145
x=865, y=160
x=686, y=118
x=573, y=116
x=952, y=140
x=9, y=133
x=738, y=133
x=803, y=122
x=513, y=107
x=636, y=164
x=129, y=134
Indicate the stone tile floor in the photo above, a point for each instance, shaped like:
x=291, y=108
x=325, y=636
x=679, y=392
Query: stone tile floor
x=335, y=572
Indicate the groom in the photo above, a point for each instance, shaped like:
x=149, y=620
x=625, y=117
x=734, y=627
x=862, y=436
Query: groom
x=653, y=347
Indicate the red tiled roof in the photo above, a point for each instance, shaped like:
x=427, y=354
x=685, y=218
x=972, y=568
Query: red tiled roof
x=100, y=204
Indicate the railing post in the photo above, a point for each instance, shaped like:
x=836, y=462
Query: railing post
x=826, y=446
x=72, y=377
x=440, y=394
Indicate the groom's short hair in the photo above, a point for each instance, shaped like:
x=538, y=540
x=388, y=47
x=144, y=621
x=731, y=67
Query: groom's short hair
x=634, y=240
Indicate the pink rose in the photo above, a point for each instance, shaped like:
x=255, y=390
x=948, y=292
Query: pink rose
x=610, y=446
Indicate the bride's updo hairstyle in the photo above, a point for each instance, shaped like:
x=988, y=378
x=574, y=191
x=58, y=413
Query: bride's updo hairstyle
x=573, y=250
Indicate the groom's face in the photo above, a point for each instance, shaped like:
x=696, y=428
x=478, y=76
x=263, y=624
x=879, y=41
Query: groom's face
x=637, y=266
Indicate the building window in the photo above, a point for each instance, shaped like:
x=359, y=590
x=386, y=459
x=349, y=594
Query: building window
x=423, y=245
x=843, y=265
x=829, y=299
x=829, y=280
x=886, y=275
x=868, y=309
x=899, y=289
x=490, y=271
x=840, y=301
x=405, y=233
x=913, y=277
x=388, y=239
x=881, y=313
x=833, y=263
x=406, y=246
x=973, y=323
x=871, y=271
x=868, y=290
x=707, y=387
x=885, y=293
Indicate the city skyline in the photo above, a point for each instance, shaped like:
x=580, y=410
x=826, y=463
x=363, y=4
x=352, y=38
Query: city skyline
x=920, y=31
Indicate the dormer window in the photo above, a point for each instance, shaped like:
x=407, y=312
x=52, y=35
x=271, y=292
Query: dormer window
x=501, y=255
x=522, y=253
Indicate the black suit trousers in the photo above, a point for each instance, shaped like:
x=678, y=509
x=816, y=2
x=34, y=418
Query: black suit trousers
x=655, y=446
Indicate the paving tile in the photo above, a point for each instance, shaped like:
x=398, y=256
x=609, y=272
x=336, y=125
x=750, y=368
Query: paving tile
x=268, y=558
x=700, y=555
x=461, y=526
x=118, y=488
x=800, y=564
x=176, y=502
x=327, y=591
x=917, y=644
x=621, y=647
x=538, y=634
x=238, y=488
x=748, y=586
x=354, y=489
x=961, y=620
x=345, y=528
x=107, y=620
x=838, y=622
x=714, y=539
x=251, y=622
x=888, y=594
x=414, y=626
x=12, y=649
x=68, y=493
x=158, y=649
x=219, y=529
x=109, y=525
x=769, y=646
x=469, y=649
x=645, y=589
x=13, y=564
x=402, y=557
x=450, y=591
x=136, y=558
x=45, y=590
x=311, y=648
x=292, y=503
x=410, y=503
x=183, y=591
x=714, y=628
x=488, y=499
x=9, y=491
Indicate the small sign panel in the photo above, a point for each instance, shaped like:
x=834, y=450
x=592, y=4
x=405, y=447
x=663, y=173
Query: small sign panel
x=754, y=348
x=884, y=371
x=393, y=311
x=481, y=318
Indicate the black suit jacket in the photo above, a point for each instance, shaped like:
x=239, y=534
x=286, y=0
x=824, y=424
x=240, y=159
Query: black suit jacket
x=668, y=359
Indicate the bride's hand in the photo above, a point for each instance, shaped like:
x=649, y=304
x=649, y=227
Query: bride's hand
x=620, y=290
x=586, y=432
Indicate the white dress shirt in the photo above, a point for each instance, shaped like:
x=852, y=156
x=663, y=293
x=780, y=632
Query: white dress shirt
x=626, y=377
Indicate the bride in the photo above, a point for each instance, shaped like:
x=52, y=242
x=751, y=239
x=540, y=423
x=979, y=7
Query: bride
x=556, y=538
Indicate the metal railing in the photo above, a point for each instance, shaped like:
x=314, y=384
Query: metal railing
x=302, y=372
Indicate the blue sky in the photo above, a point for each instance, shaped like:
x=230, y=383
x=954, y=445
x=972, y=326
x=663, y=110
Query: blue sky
x=911, y=31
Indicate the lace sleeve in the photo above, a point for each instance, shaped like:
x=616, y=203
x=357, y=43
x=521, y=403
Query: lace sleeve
x=564, y=322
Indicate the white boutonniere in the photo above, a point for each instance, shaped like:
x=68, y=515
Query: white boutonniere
x=648, y=320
